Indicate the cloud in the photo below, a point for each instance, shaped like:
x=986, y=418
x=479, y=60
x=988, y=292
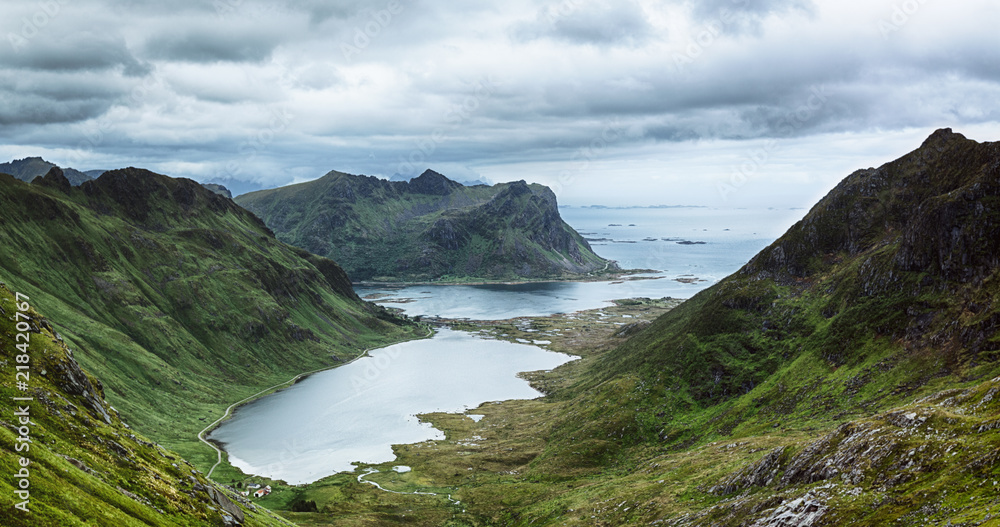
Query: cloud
x=82, y=51
x=746, y=16
x=212, y=43
x=20, y=109
x=587, y=22
x=666, y=77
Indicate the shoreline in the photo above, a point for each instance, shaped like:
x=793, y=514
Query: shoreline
x=602, y=278
x=274, y=389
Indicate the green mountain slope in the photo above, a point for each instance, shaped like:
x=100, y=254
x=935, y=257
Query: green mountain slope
x=429, y=228
x=177, y=299
x=29, y=168
x=82, y=465
x=896, y=267
x=887, y=291
x=847, y=375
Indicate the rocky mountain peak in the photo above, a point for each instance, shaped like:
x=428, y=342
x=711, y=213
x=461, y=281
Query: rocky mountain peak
x=29, y=168
x=144, y=196
x=935, y=202
x=940, y=137
x=433, y=183
x=54, y=178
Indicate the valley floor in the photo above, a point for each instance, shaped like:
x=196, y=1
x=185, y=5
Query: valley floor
x=937, y=465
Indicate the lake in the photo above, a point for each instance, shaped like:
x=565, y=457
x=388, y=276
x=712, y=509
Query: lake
x=690, y=248
x=356, y=412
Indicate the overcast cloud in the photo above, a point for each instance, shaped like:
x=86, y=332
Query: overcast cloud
x=715, y=102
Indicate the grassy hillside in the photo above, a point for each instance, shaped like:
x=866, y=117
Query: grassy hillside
x=430, y=228
x=886, y=292
x=177, y=299
x=84, y=466
x=848, y=375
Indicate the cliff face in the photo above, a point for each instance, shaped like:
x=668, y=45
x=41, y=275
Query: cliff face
x=428, y=228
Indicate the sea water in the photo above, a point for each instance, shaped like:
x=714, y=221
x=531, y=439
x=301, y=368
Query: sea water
x=686, y=249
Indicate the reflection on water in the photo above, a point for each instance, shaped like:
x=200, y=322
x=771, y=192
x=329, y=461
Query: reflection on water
x=356, y=412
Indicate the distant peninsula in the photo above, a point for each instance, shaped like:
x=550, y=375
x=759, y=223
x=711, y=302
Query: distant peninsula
x=429, y=229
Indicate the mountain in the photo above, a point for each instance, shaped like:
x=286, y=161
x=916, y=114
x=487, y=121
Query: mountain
x=847, y=375
x=886, y=293
x=29, y=168
x=897, y=263
x=428, y=228
x=82, y=463
x=466, y=182
x=180, y=301
x=218, y=189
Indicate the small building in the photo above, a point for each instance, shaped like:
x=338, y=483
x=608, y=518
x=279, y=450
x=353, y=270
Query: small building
x=260, y=493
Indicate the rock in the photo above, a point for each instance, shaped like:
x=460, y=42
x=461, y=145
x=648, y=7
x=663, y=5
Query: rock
x=802, y=512
x=759, y=474
x=78, y=464
x=71, y=379
x=54, y=179
x=226, y=504
x=218, y=189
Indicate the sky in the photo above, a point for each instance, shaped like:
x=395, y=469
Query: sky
x=725, y=103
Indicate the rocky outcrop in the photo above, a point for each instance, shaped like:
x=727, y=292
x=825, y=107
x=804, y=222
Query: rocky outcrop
x=70, y=378
x=155, y=199
x=433, y=184
x=218, y=189
x=759, y=474
x=223, y=502
x=54, y=178
x=802, y=512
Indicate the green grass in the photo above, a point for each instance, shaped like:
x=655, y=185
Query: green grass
x=66, y=429
x=861, y=344
x=180, y=301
